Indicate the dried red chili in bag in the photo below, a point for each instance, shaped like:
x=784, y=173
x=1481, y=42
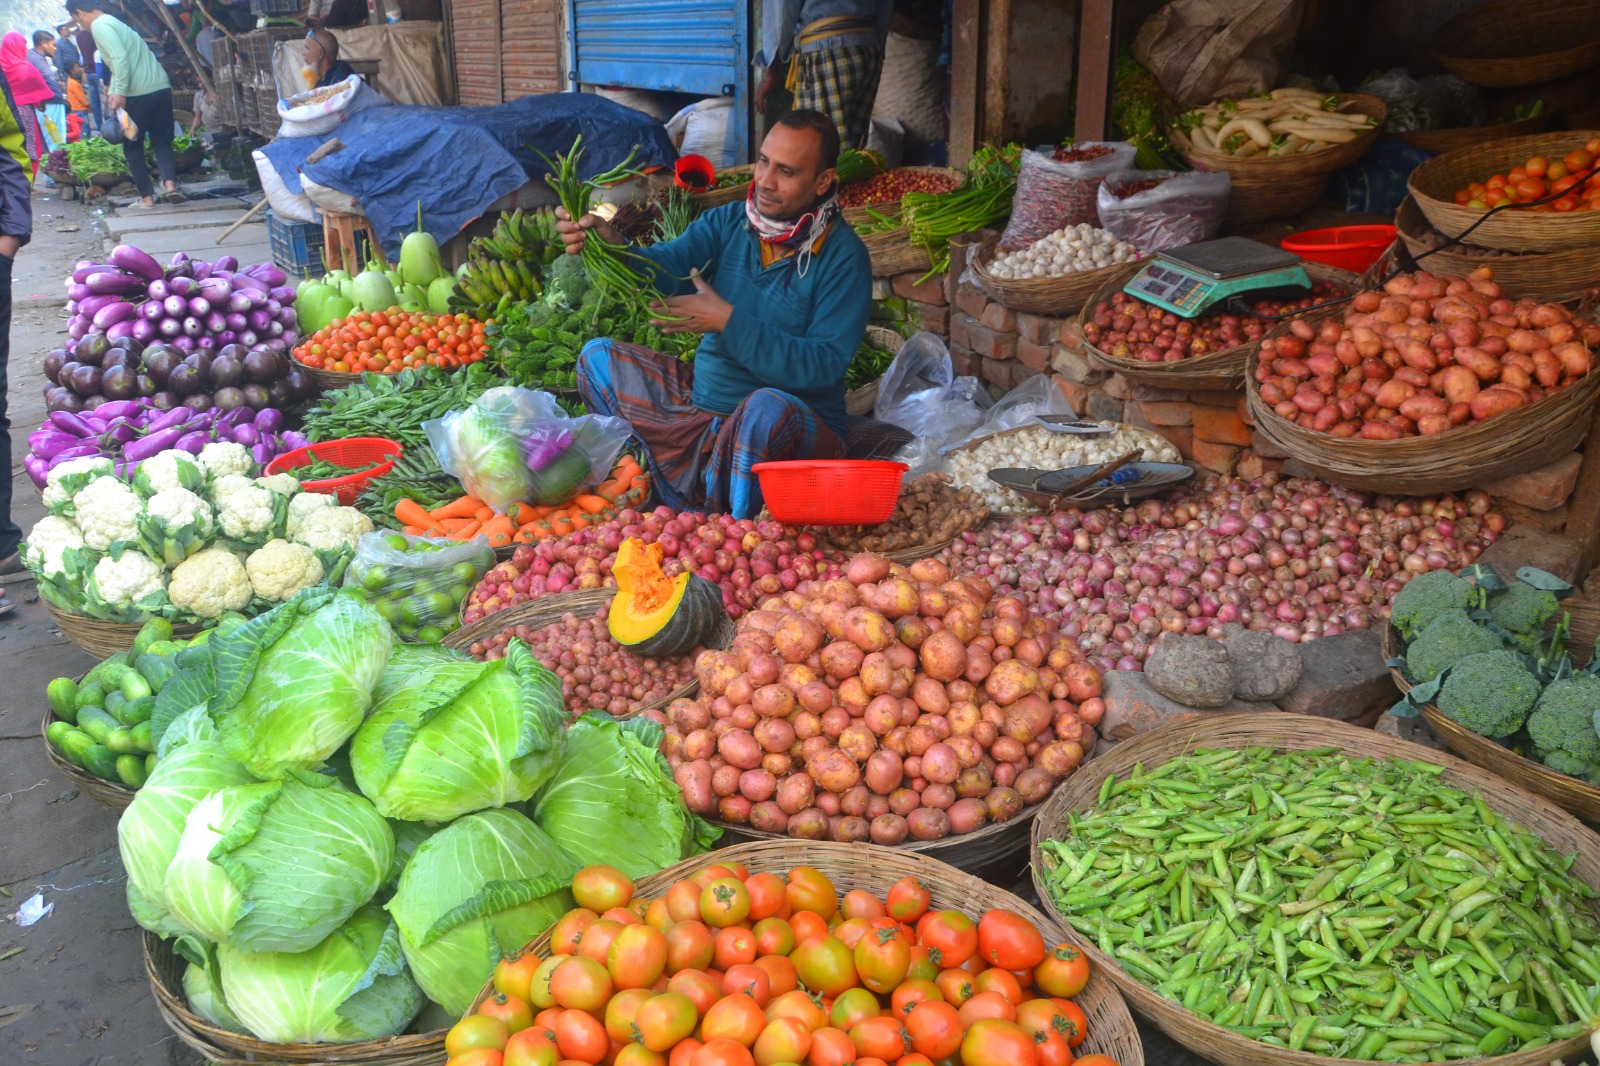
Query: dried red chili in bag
x=1053, y=194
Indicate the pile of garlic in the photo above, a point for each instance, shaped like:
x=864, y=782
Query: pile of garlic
x=1066, y=251
x=1040, y=449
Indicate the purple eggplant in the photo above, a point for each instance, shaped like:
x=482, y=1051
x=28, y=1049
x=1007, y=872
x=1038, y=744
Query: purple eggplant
x=122, y=432
x=46, y=443
x=184, y=379
x=205, y=342
x=270, y=274
x=120, y=331
x=246, y=283
x=256, y=396
x=199, y=307
x=269, y=420
x=75, y=291
x=227, y=337
x=85, y=381
x=283, y=294
x=78, y=451
x=184, y=287
x=170, y=328
x=180, y=260
x=239, y=302
x=175, y=306
x=263, y=454
x=90, y=306
x=202, y=271
x=71, y=423
x=231, y=401
x=37, y=469
x=248, y=338
x=153, y=310
x=81, y=272
x=119, y=383
x=246, y=435
x=77, y=328
x=145, y=331
x=275, y=329
x=289, y=317
x=153, y=444
x=215, y=289
x=113, y=313
x=116, y=283
x=173, y=418
x=201, y=400
x=127, y=257
x=53, y=362
x=159, y=290
x=227, y=369
x=193, y=442
x=225, y=262
x=145, y=384
x=120, y=409
x=236, y=321
x=278, y=344
x=61, y=398
x=161, y=400
x=186, y=345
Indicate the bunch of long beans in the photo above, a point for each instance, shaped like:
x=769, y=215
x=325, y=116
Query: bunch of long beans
x=1352, y=907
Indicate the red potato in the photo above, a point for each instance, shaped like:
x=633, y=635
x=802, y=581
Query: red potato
x=694, y=779
x=928, y=824
x=967, y=816
x=768, y=817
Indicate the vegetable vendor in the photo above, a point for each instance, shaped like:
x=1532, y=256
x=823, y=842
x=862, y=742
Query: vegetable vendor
x=783, y=304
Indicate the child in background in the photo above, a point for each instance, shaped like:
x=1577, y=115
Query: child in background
x=77, y=103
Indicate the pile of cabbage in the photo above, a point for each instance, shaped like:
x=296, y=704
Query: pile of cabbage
x=344, y=833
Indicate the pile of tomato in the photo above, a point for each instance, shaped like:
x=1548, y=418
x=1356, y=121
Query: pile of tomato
x=1570, y=179
x=730, y=968
x=387, y=342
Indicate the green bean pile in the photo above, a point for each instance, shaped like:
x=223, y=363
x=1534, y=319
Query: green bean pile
x=1352, y=907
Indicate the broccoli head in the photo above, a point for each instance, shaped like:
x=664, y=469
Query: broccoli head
x=567, y=281
x=1523, y=610
x=1425, y=597
x=1448, y=639
x=1564, y=719
x=1489, y=693
x=1571, y=765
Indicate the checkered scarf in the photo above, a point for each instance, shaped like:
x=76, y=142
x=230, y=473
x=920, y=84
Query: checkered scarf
x=802, y=234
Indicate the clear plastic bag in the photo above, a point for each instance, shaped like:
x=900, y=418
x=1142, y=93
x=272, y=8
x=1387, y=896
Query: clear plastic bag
x=921, y=394
x=1051, y=195
x=514, y=445
x=1038, y=395
x=417, y=584
x=1183, y=209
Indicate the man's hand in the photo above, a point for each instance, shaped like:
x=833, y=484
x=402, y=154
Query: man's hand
x=573, y=233
x=9, y=247
x=704, y=312
x=769, y=82
x=115, y=101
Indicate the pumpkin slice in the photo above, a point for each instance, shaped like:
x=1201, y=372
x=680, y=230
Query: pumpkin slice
x=657, y=616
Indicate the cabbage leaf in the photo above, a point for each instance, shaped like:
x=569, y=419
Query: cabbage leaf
x=202, y=984
x=480, y=887
x=613, y=799
x=448, y=736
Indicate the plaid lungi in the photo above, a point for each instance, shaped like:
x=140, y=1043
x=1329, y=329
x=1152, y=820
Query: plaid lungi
x=699, y=460
x=842, y=83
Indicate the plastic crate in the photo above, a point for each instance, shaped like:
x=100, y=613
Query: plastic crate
x=296, y=246
x=267, y=121
x=255, y=47
x=276, y=7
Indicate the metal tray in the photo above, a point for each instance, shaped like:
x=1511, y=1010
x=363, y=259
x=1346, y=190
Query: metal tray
x=1147, y=479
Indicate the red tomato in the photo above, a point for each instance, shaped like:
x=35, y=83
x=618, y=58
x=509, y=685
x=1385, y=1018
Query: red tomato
x=799, y=1006
x=580, y=983
x=774, y=936
x=531, y=1047
x=539, y=988
x=580, y=1036
x=781, y=974
x=656, y=914
x=1041, y=1017
x=633, y=1054
x=935, y=1029
x=851, y=930
x=690, y=946
x=987, y=1005
x=954, y=985
x=1063, y=973
x=913, y=1059
x=825, y=965
x=880, y=1038
x=831, y=1047
x=908, y=899
x=480, y=1056
x=993, y=1042
x=1008, y=940
x=665, y=1019
x=724, y=902
x=475, y=1031
x=882, y=958
x=683, y=1051
x=810, y=890
x=596, y=941
x=807, y=925
x=701, y=989
x=1001, y=981
x=1096, y=1060
x=1053, y=1050
x=1075, y=1015
x=768, y=895
x=513, y=975
x=733, y=946
x=722, y=1053
x=513, y=1010
x=707, y=874
x=746, y=978
x=637, y=957
x=736, y=1017
x=851, y=1007
x=924, y=963
x=782, y=1040
x=910, y=992
x=859, y=903
x=952, y=933
x=683, y=901
x=621, y=1012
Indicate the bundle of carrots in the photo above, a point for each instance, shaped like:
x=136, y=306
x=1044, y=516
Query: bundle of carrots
x=468, y=516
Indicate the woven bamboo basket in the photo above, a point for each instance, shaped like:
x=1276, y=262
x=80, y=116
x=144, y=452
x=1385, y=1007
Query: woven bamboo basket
x=164, y=969
x=726, y=194
x=1293, y=167
x=1293, y=732
x=1568, y=793
x=1438, y=142
x=1538, y=274
x=1433, y=185
x=1519, y=42
x=892, y=252
x=862, y=401
x=1473, y=454
x=107, y=793
x=864, y=212
x=1055, y=297
x=104, y=639
x=852, y=866
x=1215, y=370
x=1252, y=200
x=332, y=380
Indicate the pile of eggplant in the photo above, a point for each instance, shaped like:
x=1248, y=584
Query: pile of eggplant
x=94, y=371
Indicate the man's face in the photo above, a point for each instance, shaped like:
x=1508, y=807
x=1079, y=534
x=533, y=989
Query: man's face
x=789, y=174
x=48, y=48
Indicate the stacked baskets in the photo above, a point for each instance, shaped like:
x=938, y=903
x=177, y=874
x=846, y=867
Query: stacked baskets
x=1506, y=43
x=1541, y=275
x=1433, y=186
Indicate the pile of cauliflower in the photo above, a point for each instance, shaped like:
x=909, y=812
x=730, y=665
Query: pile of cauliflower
x=187, y=538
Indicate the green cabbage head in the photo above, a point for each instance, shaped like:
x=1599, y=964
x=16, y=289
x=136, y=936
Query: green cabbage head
x=483, y=885
x=278, y=865
x=202, y=985
x=352, y=986
x=292, y=685
x=448, y=736
x=149, y=830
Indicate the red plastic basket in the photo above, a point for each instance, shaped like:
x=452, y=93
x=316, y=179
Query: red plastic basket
x=1352, y=248
x=830, y=492
x=381, y=452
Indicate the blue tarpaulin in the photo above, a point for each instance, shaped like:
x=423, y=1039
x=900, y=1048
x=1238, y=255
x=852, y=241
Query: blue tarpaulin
x=458, y=160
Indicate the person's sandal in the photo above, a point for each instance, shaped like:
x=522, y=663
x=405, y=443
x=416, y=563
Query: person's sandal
x=175, y=196
x=12, y=571
x=7, y=606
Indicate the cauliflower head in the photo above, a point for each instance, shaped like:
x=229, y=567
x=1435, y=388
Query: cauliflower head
x=304, y=506
x=67, y=479
x=125, y=581
x=279, y=569
x=169, y=470
x=228, y=484
x=107, y=512
x=50, y=539
x=226, y=457
x=250, y=516
x=334, y=529
x=209, y=583
x=174, y=525
x=282, y=484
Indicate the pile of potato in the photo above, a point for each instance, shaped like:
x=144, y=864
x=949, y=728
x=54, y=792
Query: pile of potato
x=930, y=510
x=894, y=702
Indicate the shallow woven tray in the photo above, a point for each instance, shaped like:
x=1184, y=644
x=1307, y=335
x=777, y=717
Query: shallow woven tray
x=1519, y=42
x=105, y=639
x=1569, y=793
x=1289, y=731
x=111, y=794
x=864, y=212
x=1216, y=370
x=851, y=866
x=1055, y=297
x=1433, y=185
x=728, y=194
x=1538, y=274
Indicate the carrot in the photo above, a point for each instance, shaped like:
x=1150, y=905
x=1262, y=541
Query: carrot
x=525, y=514
x=450, y=525
x=412, y=513
x=468, y=530
x=525, y=535
x=560, y=526
x=484, y=514
x=590, y=504
x=413, y=531
x=518, y=513
x=499, y=530
x=464, y=507
x=580, y=521
x=639, y=481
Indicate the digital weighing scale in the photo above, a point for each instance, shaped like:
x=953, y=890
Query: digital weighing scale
x=1189, y=280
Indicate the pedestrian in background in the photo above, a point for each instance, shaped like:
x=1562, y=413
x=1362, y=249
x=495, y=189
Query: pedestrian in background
x=140, y=87
x=67, y=55
x=829, y=54
x=52, y=113
x=77, y=104
x=16, y=227
x=26, y=91
x=91, y=74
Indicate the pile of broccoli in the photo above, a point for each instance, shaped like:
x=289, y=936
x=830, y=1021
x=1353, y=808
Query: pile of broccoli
x=1504, y=668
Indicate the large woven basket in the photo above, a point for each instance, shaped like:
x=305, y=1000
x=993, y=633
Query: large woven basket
x=539, y=612
x=861, y=402
x=220, y=1047
x=865, y=212
x=332, y=380
x=1216, y=370
x=1056, y=297
x=1438, y=142
x=1293, y=732
x=1520, y=42
x=105, y=639
x=1462, y=457
x=726, y=194
x=1293, y=168
x=852, y=866
x=1538, y=274
x=111, y=794
x=1253, y=199
x=892, y=252
x=1568, y=793
x=1433, y=185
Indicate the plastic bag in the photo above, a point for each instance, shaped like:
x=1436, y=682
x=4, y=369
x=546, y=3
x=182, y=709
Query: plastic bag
x=317, y=112
x=1183, y=209
x=921, y=394
x=514, y=445
x=1038, y=395
x=1441, y=101
x=1053, y=194
x=417, y=584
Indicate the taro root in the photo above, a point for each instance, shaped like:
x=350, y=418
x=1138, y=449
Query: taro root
x=1265, y=666
x=1193, y=671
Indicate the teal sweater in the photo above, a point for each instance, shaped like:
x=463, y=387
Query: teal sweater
x=786, y=332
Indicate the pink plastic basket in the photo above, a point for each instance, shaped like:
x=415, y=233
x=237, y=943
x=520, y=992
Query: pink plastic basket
x=830, y=492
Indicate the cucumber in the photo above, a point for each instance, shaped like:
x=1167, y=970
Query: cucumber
x=97, y=723
x=134, y=686
x=90, y=694
x=155, y=669
x=62, y=694
x=150, y=763
x=56, y=732
x=161, y=649
x=135, y=711
x=131, y=771
x=100, y=761
x=74, y=744
x=142, y=739
x=111, y=677
x=152, y=631
x=114, y=702
x=120, y=741
x=121, y=658
x=192, y=656
x=199, y=639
